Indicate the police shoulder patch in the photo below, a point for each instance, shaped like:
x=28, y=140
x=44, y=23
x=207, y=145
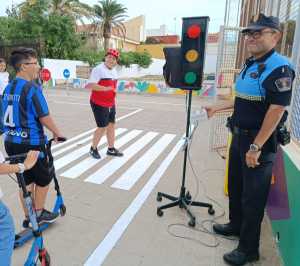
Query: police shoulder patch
x=283, y=84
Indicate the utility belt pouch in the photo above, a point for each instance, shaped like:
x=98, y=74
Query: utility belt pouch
x=229, y=124
x=283, y=135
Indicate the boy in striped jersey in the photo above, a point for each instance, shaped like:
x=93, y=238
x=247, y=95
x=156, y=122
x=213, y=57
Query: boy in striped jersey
x=25, y=114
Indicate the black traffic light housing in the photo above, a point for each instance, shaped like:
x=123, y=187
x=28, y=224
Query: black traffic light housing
x=184, y=65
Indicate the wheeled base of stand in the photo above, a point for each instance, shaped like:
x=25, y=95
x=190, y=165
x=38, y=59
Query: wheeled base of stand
x=183, y=202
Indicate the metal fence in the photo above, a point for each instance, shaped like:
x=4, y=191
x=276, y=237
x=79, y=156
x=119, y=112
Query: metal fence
x=227, y=54
x=219, y=133
x=226, y=72
x=288, y=12
x=295, y=108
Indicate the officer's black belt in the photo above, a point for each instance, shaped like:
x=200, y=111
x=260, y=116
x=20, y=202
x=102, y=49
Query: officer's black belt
x=246, y=132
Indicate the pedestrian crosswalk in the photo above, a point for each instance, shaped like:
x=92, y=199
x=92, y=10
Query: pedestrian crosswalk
x=135, y=171
x=72, y=159
x=89, y=162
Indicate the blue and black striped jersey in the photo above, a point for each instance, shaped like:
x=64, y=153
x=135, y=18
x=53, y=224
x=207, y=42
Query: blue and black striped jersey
x=23, y=105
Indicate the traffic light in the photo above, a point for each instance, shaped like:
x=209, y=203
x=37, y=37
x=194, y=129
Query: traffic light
x=184, y=66
x=193, y=40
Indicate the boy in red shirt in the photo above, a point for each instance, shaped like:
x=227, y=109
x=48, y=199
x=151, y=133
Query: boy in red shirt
x=103, y=84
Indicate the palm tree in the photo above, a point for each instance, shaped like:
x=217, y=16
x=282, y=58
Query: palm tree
x=72, y=8
x=111, y=15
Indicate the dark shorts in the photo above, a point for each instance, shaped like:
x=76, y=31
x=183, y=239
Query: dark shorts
x=103, y=115
x=39, y=174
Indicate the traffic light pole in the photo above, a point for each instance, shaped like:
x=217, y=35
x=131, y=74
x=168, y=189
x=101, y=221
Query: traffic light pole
x=185, y=199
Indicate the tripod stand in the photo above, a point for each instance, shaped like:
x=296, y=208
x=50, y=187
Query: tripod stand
x=184, y=199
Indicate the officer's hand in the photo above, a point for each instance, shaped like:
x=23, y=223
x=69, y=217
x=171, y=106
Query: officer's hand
x=211, y=110
x=252, y=158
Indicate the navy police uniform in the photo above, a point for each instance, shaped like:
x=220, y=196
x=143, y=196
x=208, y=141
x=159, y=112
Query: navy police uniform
x=262, y=82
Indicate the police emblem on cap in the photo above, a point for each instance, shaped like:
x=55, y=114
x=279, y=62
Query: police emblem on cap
x=260, y=21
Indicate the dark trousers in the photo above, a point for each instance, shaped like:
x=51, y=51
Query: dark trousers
x=248, y=191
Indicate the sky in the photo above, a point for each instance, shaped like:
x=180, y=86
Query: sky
x=159, y=12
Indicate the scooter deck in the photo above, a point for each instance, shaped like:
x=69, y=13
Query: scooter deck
x=25, y=235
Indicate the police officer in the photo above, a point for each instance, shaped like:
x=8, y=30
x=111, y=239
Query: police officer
x=263, y=90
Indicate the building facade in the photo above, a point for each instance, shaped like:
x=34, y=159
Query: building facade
x=135, y=34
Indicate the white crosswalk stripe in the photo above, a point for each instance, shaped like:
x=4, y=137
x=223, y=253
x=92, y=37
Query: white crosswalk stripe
x=76, y=144
x=107, y=170
x=146, y=147
x=89, y=162
x=65, y=160
x=62, y=144
x=133, y=174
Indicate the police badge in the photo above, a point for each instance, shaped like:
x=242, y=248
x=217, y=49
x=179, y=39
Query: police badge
x=284, y=84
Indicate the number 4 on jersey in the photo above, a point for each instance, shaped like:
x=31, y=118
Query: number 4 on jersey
x=9, y=117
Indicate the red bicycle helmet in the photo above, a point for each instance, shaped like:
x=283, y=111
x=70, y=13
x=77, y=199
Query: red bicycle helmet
x=113, y=52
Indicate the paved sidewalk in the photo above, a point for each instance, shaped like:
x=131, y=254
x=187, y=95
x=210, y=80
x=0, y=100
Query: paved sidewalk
x=98, y=213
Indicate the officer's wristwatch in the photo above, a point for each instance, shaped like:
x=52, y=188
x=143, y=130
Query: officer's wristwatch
x=254, y=147
x=22, y=168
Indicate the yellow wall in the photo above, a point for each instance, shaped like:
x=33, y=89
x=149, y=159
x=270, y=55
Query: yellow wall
x=135, y=28
x=155, y=50
x=129, y=47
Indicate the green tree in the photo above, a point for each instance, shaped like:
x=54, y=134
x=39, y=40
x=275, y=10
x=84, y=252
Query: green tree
x=55, y=32
x=60, y=38
x=110, y=14
x=72, y=8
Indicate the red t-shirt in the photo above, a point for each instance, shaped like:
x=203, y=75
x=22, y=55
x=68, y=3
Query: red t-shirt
x=104, y=76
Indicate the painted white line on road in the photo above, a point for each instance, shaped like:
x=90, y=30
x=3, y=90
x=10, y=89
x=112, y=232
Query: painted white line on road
x=84, y=150
x=54, y=147
x=88, y=163
x=100, y=253
x=156, y=103
x=130, y=114
x=136, y=171
x=108, y=169
x=92, y=130
x=87, y=104
x=123, y=101
x=71, y=103
x=76, y=144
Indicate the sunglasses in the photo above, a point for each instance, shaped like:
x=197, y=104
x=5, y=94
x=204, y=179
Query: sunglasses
x=257, y=33
x=31, y=63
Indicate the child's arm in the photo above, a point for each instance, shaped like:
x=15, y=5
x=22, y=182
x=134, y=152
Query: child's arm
x=48, y=122
x=29, y=162
x=96, y=87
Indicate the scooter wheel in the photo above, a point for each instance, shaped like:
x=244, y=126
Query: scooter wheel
x=44, y=258
x=47, y=259
x=63, y=210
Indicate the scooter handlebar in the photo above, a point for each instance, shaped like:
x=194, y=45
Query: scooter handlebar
x=21, y=157
x=59, y=139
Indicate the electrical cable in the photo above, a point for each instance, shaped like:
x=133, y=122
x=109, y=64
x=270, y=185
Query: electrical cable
x=203, y=229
